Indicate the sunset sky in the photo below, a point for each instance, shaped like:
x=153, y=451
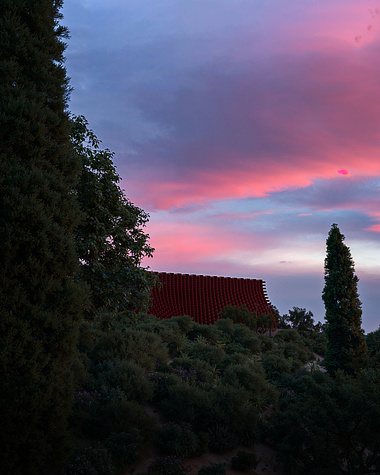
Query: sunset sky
x=245, y=128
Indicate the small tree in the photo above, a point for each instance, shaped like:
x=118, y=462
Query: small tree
x=110, y=241
x=346, y=345
x=301, y=319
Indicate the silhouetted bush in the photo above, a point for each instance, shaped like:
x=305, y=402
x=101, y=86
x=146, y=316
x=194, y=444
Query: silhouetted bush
x=119, y=416
x=209, y=353
x=178, y=439
x=185, y=403
x=222, y=439
x=142, y=347
x=169, y=464
x=90, y=461
x=215, y=469
x=275, y=363
x=202, y=368
x=266, y=343
x=124, y=448
x=331, y=425
x=226, y=327
x=209, y=332
x=130, y=378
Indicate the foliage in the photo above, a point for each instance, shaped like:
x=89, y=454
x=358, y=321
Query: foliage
x=124, y=448
x=275, y=363
x=90, y=461
x=346, y=345
x=300, y=319
x=212, y=354
x=110, y=240
x=331, y=426
x=142, y=347
x=186, y=403
x=259, y=323
x=178, y=439
x=119, y=416
x=373, y=345
x=127, y=376
x=40, y=297
x=215, y=469
x=168, y=465
x=244, y=461
x=252, y=378
x=221, y=439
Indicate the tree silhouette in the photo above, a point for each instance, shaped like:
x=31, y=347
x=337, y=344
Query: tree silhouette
x=40, y=299
x=346, y=348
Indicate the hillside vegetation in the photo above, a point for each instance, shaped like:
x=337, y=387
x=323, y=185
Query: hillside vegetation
x=217, y=387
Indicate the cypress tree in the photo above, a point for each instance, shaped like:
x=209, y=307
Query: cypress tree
x=346, y=348
x=40, y=299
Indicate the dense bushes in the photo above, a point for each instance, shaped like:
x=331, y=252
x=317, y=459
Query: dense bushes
x=330, y=425
x=223, y=386
x=178, y=439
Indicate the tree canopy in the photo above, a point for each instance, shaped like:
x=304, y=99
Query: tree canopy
x=110, y=239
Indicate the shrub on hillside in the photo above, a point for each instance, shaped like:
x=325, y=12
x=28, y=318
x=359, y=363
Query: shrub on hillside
x=124, y=448
x=142, y=347
x=266, y=343
x=331, y=425
x=215, y=469
x=202, y=368
x=247, y=338
x=239, y=314
x=169, y=464
x=120, y=416
x=178, y=439
x=222, y=439
x=252, y=378
x=209, y=332
x=236, y=358
x=184, y=322
x=89, y=460
x=212, y=354
x=230, y=407
x=129, y=377
x=275, y=363
x=185, y=403
x=226, y=327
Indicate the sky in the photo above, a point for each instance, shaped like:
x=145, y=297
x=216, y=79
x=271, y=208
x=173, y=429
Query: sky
x=245, y=128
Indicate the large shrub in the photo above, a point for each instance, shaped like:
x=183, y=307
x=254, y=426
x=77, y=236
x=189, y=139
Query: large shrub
x=178, y=439
x=252, y=378
x=90, y=460
x=124, y=448
x=142, y=347
x=119, y=416
x=185, y=403
x=331, y=426
x=129, y=377
x=275, y=363
x=212, y=354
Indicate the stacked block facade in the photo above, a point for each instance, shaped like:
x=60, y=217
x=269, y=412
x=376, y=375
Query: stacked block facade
x=203, y=297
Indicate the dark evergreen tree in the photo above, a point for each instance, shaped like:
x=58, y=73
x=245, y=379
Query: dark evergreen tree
x=110, y=240
x=40, y=299
x=346, y=348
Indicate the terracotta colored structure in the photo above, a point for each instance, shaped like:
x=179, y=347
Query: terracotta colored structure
x=202, y=296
